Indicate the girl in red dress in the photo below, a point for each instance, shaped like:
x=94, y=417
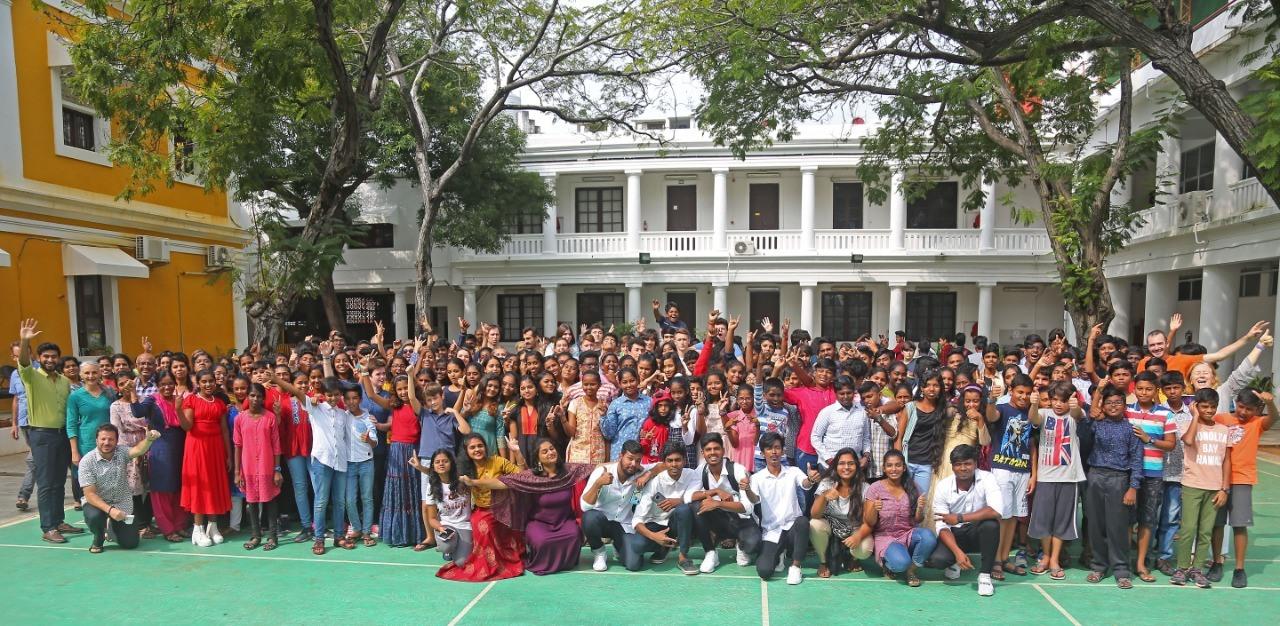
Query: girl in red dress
x=206, y=463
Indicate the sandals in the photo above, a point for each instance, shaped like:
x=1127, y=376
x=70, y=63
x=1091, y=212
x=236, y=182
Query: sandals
x=1040, y=568
x=423, y=545
x=174, y=538
x=271, y=544
x=304, y=536
x=824, y=571
x=1146, y=577
x=95, y=549
x=1057, y=574
x=317, y=548
x=1124, y=583
x=369, y=541
x=346, y=543
x=1094, y=577
x=997, y=571
x=1013, y=568
x=253, y=543
x=913, y=580
x=21, y=504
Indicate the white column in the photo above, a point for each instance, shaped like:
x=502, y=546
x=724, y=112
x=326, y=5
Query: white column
x=807, y=319
x=1275, y=325
x=987, y=219
x=632, y=210
x=469, y=305
x=550, y=309
x=1218, y=306
x=1122, y=303
x=1227, y=168
x=549, y=221
x=10, y=131
x=1160, y=299
x=1168, y=165
x=400, y=315
x=807, y=175
x=720, y=297
x=635, y=307
x=985, y=291
x=897, y=215
x=720, y=209
x=897, y=307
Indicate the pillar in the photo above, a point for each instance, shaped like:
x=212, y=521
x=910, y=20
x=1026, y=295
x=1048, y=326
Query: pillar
x=1161, y=297
x=632, y=210
x=10, y=131
x=807, y=175
x=985, y=292
x=1168, y=166
x=720, y=209
x=807, y=319
x=635, y=308
x=405, y=327
x=987, y=220
x=1218, y=306
x=549, y=220
x=1227, y=168
x=897, y=307
x=897, y=214
x=1122, y=303
x=550, y=309
x=720, y=297
x=1275, y=327
x=469, y=305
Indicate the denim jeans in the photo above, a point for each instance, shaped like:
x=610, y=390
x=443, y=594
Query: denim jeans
x=360, y=478
x=595, y=526
x=1170, y=519
x=331, y=488
x=298, y=473
x=922, y=475
x=897, y=557
x=804, y=461
x=51, y=454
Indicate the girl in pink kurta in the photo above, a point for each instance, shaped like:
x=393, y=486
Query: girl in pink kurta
x=742, y=428
x=257, y=441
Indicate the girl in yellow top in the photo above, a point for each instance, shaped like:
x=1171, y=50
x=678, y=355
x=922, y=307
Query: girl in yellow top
x=496, y=550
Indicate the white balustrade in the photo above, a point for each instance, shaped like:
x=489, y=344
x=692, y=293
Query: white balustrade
x=682, y=243
x=1248, y=195
x=946, y=240
x=1023, y=240
x=591, y=243
x=852, y=240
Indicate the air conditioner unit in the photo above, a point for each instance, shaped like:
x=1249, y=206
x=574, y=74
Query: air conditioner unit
x=745, y=247
x=218, y=257
x=1193, y=208
x=151, y=249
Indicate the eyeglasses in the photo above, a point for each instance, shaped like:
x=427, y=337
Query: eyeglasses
x=1113, y=403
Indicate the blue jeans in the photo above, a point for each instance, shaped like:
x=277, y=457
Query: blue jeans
x=331, y=487
x=1170, y=519
x=360, y=477
x=804, y=461
x=897, y=557
x=298, y=474
x=922, y=475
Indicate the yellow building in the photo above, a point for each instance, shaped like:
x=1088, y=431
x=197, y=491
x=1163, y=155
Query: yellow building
x=97, y=272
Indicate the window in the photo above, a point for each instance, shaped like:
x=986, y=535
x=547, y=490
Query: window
x=846, y=315
x=1248, y=172
x=77, y=129
x=1257, y=281
x=360, y=310
x=1189, y=287
x=438, y=316
x=518, y=311
x=930, y=314
x=846, y=205
x=82, y=130
x=598, y=210
x=936, y=209
x=365, y=236
x=525, y=223
x=183, y=149
x=91, y=316
x=686, y=303
x=1197, y=169
x=679, y=123
x=653, y=125
x=604, y=309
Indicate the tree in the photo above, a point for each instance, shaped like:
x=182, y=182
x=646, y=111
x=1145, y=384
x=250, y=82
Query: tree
x=581, y=64
x=1006, y=112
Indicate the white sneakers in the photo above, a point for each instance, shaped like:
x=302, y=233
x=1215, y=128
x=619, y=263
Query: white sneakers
x=985, y=586
x=952, y=573
x=782, y=563
x=199, y=537
x=710, y=562
x=794, y=575
x=601, y=562
x=212, y=532
x=744, y=559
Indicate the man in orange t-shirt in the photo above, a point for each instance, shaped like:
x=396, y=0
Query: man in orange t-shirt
x=1158, y=346
x=1255, y=413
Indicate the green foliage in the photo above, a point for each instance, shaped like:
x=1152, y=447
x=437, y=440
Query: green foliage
x=1262, y=384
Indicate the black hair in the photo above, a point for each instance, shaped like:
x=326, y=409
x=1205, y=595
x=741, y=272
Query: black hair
x=857, y=369
x=537, y=468
x=908, y=485
x=433, y=479
x=1061, y=390
x=844, y=382
x=825, y=364
x=469, y=465
x=855, y=483
x=1146, y=377
x=770, y=439
x=47, y=346
x=1208, y=394
x=631, y=446
x=1172, y=377
x=964, y=452
x=1122, y=364
x=1249, y=397
x=108, y=427
x=712, y=438
x=1021, y=380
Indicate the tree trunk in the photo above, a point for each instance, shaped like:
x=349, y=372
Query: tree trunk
x=333, y=310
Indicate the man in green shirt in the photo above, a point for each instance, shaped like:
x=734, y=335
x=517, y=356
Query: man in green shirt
x=47, y=391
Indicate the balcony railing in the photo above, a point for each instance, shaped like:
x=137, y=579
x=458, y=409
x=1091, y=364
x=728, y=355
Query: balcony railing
x=701, y=244
x=1248, y=195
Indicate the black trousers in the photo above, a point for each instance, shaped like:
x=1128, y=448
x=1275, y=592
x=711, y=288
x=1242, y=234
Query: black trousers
x=724, y=525
x=1108, y=520
x=595, y=526
x=51, y=453
x=96, y=519
x=258, y=510
x=982, y=536
x=794, y=540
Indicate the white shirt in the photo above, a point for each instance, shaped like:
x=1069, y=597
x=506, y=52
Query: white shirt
x=329, y=428
x=614, y=499
x=982, y=493
x=838, y=427
x=724, y=483
x=976, y=357
x=454, y=510
x=357, y=449
x=779, y=505
x=648, y=510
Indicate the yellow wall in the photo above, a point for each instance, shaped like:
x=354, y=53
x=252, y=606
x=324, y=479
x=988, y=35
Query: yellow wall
x=35, y=276
x=35, y=103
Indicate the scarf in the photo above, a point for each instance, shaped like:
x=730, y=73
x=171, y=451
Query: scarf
x=513, y=506
x=169, y=412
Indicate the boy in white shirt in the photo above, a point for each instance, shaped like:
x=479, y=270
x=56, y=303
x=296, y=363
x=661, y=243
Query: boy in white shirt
x=360, y=443
x=662, y=513
x=329, y=452
x=783, y=524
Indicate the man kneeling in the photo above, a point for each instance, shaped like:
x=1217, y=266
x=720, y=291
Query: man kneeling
x=104, y=477
x=662, y=513
x=965, y=506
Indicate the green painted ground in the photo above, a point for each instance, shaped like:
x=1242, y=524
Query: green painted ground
x=170, y=583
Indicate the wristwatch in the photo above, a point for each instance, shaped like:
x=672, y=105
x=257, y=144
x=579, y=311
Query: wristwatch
x=960, y=518
x=277, y=468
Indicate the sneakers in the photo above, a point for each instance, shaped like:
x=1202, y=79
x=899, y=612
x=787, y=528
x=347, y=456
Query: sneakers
x=213, y=533
x=200, y=537
x=1215, y=572
x=1239, y=580
x=709, y=562
x=1165, y=567
x=1199, y=578
x=985, y=586
x=952, y=573
x=687, y=568
x=744, y=559
x=374, y=531
x=794, y=575
x=659, y=556
x=601, y=560
x=1020, y=559
x=1179, y=577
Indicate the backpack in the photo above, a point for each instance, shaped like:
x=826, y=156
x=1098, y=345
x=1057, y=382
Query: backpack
x=728, y=469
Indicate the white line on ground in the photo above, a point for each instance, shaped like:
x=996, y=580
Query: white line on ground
x=764, y=603
x=474, y=601
x=313, y=559
x=1055, y=604
x=29, y=516
x=1269, y=474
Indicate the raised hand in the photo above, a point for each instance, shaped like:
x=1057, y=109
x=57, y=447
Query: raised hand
x=1175, y=322
x=414, y=461
x=463, y=324
x=326, y=348
x=27, y=330
x=656, y=304
x=146, y=344
x=814, y=475
x=1266, y=339
x=1258, y=329
x=766, y=324
x=745, y=483
x=639, y=327
x=734, y=320
x=153, y=435
x=606, y=478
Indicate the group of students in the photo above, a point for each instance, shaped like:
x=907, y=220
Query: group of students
x=904, y=455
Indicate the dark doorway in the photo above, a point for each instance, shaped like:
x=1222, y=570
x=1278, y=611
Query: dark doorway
x=764, y=206
x=765, y=304
x=682, y=207
x=930, y=315
x=846, y=205
x=361, y=310
x=687, y=304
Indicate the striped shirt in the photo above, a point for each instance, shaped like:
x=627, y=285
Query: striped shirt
x=1156, y=423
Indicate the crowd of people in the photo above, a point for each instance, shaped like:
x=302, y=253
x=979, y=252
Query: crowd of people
x=897, y=454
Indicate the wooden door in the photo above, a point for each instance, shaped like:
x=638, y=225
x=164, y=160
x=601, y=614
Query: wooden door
x=682, y=207
x=764, y=206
